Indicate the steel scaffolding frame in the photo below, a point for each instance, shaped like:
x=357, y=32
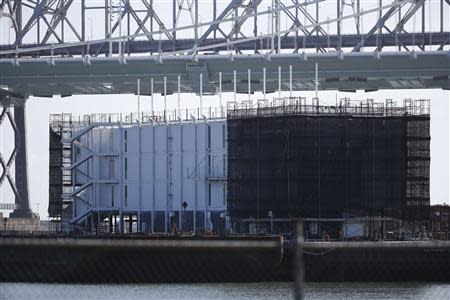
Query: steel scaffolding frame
x=292, y=159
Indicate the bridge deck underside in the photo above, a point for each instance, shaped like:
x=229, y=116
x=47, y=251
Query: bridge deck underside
x=107, y=75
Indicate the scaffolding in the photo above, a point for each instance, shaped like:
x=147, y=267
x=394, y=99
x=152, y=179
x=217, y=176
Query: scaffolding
x=155, y=117
x=343, y=107
x=417, y=191
x=289, y=159
x=62, y=127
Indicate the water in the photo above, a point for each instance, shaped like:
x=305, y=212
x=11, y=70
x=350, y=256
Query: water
x=233, y=291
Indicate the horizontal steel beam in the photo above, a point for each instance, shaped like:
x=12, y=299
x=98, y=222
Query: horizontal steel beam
x=288, y=42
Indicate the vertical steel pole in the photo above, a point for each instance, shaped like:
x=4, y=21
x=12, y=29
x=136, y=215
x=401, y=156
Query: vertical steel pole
x=220, y=92
x=290, y=81
x=317, y=81
x=139, y=101
x=214, y=15
x=194, y=227
x=278, y=29
x=151, y=98
x=109, y=27
x=181, y=224
x=120, y=28
x=83, y=20
x=165, y=98
x=38, y=29
x=249, y=84
x=380, y=4
x=151, y=16
x=414, y=32
x=430, y=28
x=196, y=22
x=106, y=18
x=201, y=95
x=279, y=81
x=174, y=22
x=396, y=32
x=18, y=20
x=139, y=220
x=358, y=10
x=153, y=174
x=328, y=34
x=296, y=31
x=264, y=83
x=62, y=29
x=235, y=23
x=423, y=25
x=380, y=14
x=338, y=24
x=316, y=28
x=234, y=85
x=362, y=34
x=299, y=265
x=272, y=29
x=179, y=96
x=255, y=24
x=128, y=23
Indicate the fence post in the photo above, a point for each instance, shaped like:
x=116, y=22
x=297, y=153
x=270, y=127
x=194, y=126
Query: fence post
x=298, y=263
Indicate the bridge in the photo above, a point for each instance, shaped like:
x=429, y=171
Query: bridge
x=239, y=46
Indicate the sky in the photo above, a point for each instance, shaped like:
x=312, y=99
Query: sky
x=38, y=109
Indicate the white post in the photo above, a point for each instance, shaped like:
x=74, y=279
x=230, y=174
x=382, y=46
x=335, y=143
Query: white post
x=201, y=95
x=317, y=81
x=151, y=93
x=179, y=97
x=139, y=101
x=264, y=83
x=220, y=92
x=139, y=221
x=249, y=85
x=165, y=98
x=279, y=81
x=234, y=85
x=290, y=81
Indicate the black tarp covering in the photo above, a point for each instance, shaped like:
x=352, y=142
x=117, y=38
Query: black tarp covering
x=318, y=166
x=55, y=204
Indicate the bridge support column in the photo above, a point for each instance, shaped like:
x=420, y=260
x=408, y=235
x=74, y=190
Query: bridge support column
x=19, y=185
x=21, y=166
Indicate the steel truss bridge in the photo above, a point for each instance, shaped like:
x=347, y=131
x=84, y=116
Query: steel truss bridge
x=209, y=47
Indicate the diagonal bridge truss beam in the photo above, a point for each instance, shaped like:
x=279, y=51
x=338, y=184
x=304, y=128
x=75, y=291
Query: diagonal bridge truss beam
x=57, y=28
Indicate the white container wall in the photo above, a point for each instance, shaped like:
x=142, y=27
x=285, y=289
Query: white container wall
x=165, y=176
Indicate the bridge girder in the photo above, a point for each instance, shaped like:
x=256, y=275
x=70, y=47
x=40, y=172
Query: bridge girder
x=135, y=26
